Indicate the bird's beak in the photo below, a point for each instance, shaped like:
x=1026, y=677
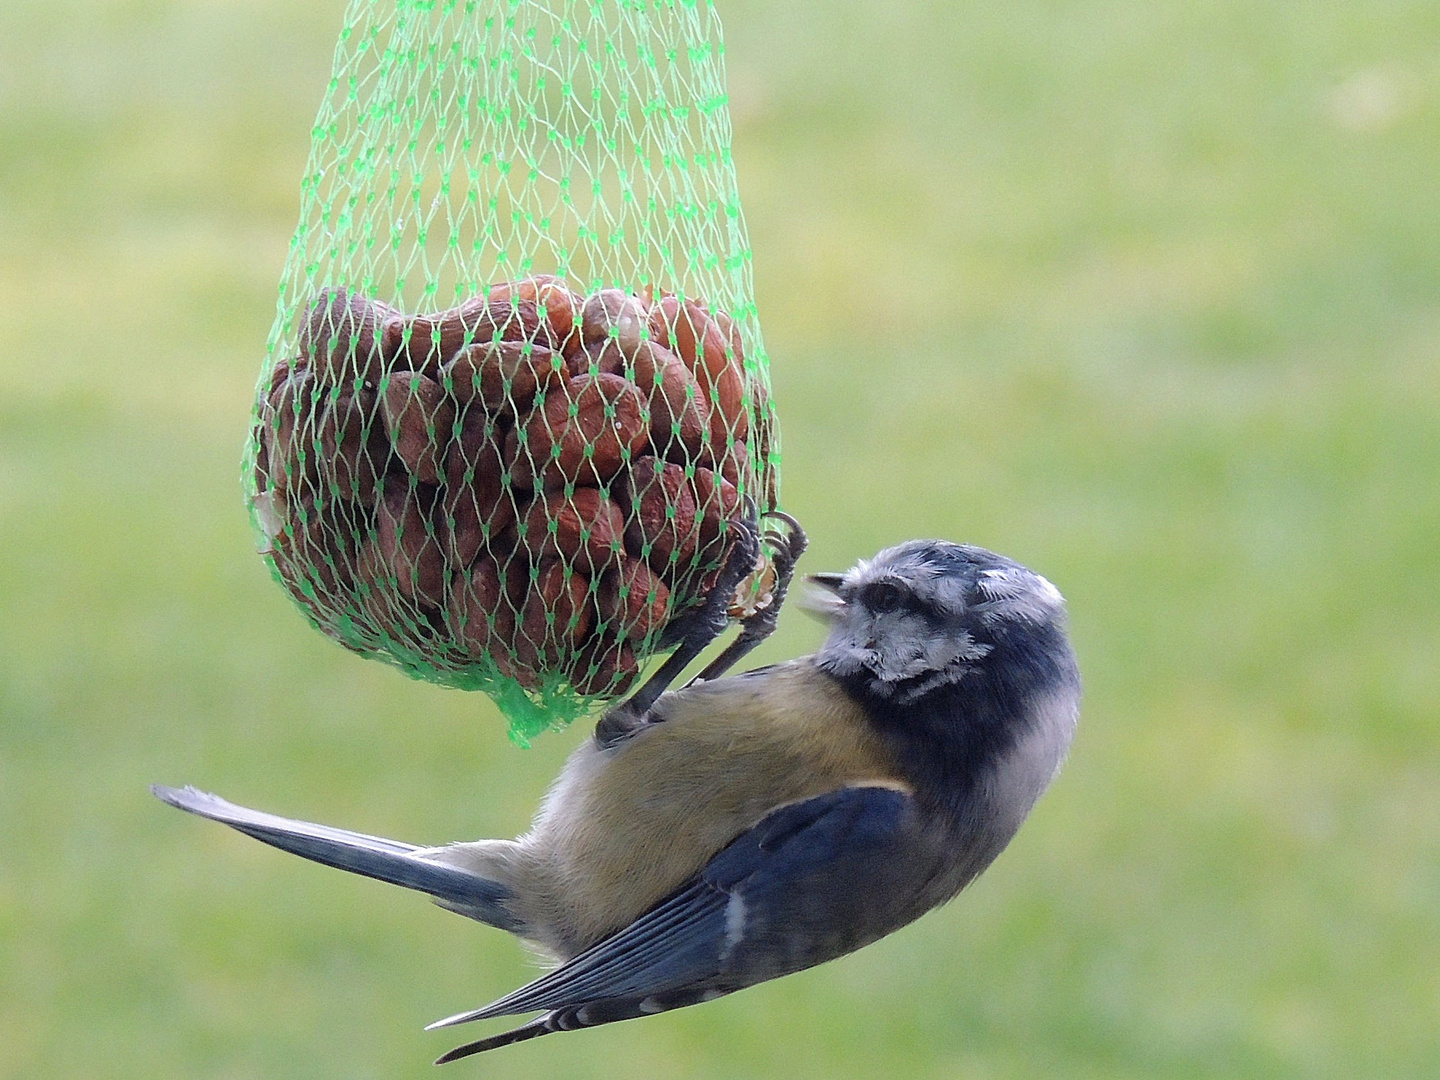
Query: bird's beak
x=822, y=597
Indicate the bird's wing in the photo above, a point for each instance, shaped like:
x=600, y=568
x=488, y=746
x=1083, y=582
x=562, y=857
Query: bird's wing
x=811, y=881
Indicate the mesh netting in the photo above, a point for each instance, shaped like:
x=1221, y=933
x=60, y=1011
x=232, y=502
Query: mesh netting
x=515, y=396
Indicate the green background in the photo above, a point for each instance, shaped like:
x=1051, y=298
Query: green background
x=1146, y=295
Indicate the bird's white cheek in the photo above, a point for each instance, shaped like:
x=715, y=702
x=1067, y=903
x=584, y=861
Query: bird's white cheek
x=844, y=654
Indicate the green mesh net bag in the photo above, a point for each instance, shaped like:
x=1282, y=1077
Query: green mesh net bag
x=515, y=397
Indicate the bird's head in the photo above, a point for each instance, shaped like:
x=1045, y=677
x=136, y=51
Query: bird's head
x=924, y=614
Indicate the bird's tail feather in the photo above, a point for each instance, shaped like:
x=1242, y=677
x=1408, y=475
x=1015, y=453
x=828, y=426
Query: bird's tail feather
x=541, y=1025
x=371, y=856
x=570, y=1018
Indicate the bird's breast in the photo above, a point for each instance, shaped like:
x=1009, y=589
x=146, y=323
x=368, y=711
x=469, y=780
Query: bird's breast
x=625, y=827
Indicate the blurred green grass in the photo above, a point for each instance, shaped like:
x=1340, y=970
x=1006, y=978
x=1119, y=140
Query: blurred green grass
x=1142, y=294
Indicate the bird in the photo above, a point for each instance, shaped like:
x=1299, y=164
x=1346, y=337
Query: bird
x=748, y=826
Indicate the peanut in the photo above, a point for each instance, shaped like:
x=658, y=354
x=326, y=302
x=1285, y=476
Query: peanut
x=426, y=343
x=478, y=508
x=483, y=608
x=584, y=530
x=419, y=419
x=287, y=432
x=679, y=417
x=353, y=446
x=714, y=355
x=586, y=433
x=515, y=457
x=554, y=618
x=614, y=314
x=316, y=545
x=410, y=548
x=736, y=469
x=729, y=414
x=718, y=500
x=661, y=528
x=502, y=374
x=632, y=602
x=341, y=338
x=604, y=666
x=549, y=292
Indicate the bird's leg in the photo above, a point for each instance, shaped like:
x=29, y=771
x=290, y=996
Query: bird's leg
x=699, y=629
x=787, y=544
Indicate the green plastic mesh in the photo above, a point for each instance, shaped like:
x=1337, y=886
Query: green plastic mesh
x=515, y=396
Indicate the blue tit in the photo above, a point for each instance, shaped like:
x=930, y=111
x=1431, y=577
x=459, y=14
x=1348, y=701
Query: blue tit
x=750, y=826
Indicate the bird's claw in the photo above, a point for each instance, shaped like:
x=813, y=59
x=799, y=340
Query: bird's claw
x=786, y=547
x=694, y=632
x=619, y=723
x=787, y=544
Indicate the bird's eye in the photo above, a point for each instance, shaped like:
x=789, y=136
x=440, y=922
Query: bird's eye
x=882, y=597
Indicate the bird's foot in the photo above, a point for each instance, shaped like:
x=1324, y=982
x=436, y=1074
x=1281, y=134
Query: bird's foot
x=695, y=631
x=787, y=541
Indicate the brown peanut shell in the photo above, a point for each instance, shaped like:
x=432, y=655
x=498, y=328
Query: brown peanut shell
x=687, y=329
x=502, y=374
x=342, y=338
x=587, y=431
x=584, y=530
x=661, y=528
x=730, y=334
x=419, y=419
x=478, y=508
x=710, y=347
x=678, y=413
x=375, y=592
x=631, y=600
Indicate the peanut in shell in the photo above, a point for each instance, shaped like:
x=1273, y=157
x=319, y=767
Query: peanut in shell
x=411, y=548
x=342, y=337
x=587, y=431
x=632, y=601
x=584, y=530
x=502, y=374
x=661, y=528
